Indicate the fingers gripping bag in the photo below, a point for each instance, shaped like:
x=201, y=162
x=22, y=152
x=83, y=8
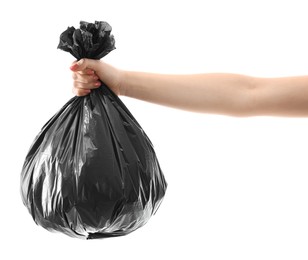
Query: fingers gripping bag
x=92, y=171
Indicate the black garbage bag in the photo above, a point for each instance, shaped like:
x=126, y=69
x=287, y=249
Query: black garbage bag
x=92, y=172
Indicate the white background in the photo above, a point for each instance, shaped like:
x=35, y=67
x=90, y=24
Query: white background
x=238, y=187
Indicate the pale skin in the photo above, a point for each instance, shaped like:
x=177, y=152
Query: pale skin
x=213, y=93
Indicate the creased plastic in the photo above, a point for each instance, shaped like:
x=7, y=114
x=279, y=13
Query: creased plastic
x=92, y=171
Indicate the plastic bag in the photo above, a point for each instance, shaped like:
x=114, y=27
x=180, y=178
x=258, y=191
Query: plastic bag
x=92, y=172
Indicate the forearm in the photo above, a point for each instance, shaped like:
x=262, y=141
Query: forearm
x=217, y=93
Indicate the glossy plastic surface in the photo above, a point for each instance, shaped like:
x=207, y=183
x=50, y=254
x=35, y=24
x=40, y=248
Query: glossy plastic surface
x=92, y=171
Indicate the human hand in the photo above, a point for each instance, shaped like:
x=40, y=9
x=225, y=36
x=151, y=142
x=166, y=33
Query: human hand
x=87, y=74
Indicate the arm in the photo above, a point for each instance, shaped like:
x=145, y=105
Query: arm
x=207, y=93
x=218, y=93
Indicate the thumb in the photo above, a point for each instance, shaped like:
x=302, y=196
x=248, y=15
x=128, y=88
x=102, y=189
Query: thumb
x=82, y=64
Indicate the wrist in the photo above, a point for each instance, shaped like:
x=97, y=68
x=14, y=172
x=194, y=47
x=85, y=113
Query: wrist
x=123, y=82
